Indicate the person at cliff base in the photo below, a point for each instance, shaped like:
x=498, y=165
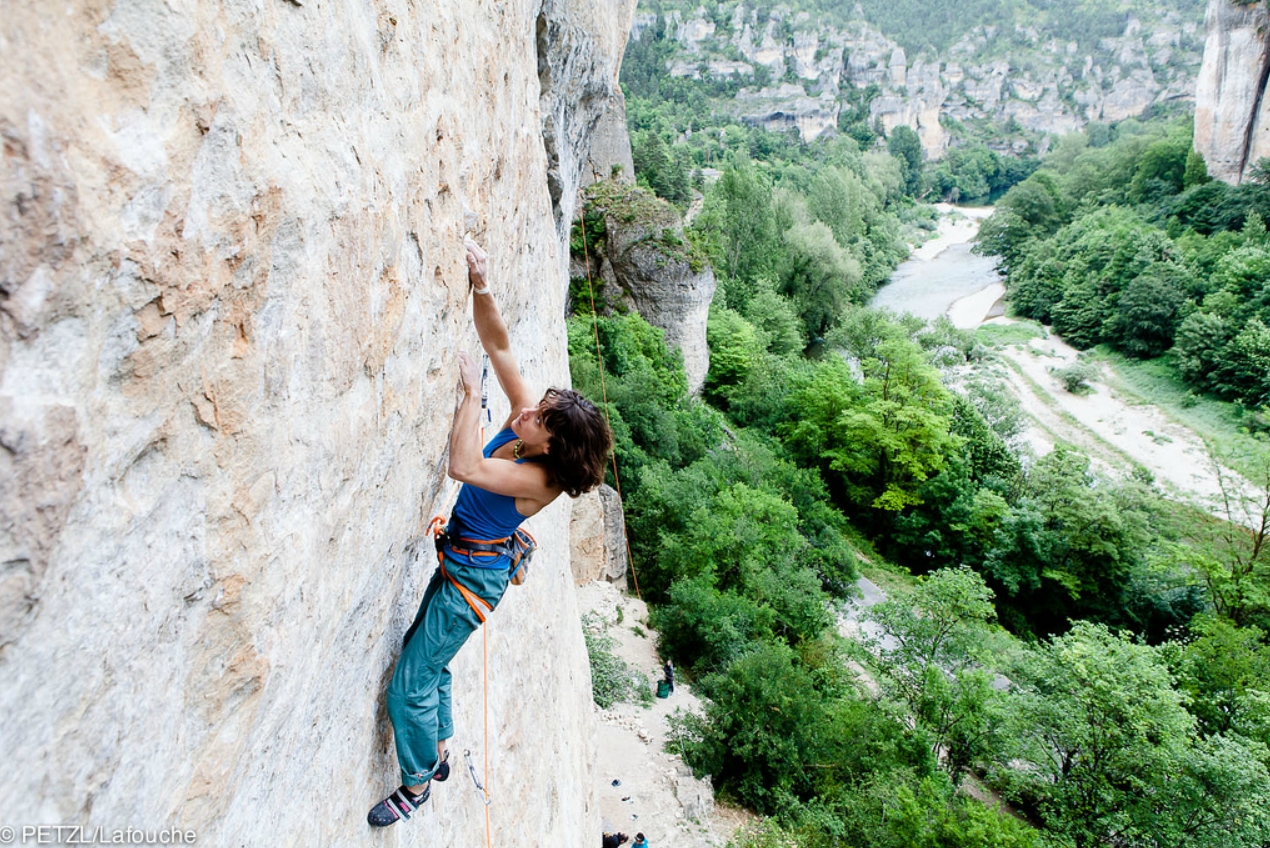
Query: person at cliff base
x=640, y=841
x=547, y=447
x=613, y=840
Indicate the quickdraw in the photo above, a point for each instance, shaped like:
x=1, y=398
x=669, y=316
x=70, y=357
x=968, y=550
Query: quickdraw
x=476, y=781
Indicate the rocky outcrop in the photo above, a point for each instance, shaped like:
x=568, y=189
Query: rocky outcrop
x=1057, y=87
x=610, y=152
x=1232, y=111
x=786, y=107
x=598, y=530
x=232, y=288
x=658, y=273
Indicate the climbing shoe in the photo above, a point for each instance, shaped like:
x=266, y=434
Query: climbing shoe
x=397, y=806
x=443, y=770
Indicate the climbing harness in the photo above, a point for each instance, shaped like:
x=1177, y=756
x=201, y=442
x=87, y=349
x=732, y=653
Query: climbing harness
x=519, y=547
x=599, y=359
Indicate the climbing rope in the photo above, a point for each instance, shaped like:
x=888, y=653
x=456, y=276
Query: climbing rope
x=489, y=841
x=599, y=359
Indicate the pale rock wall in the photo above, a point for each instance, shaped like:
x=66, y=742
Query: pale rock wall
x=1057, y=89
x=611, y=145
x=647, y=256
x=1232, y=111
x=231, y=292
x=599, y=538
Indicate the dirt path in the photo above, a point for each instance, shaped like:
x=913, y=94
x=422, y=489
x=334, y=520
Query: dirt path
x=654, y=792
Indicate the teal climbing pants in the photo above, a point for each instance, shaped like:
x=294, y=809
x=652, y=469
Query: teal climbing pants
x=419, y=694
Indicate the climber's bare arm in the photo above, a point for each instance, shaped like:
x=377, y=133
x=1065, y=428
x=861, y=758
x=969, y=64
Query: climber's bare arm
x=493, y=332
x=526, y=482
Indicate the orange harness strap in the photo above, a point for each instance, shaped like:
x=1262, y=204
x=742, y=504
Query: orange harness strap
x=478, y=604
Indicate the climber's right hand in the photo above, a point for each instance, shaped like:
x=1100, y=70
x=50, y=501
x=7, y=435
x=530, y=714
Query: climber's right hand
x=469, y=375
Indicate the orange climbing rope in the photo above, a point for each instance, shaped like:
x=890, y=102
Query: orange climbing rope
x=489, y=840
x=599, y=360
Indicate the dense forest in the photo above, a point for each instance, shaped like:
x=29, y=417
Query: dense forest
x=1075, y=645
x=1105, y=606
x=1069, y=657
x=1121, y=239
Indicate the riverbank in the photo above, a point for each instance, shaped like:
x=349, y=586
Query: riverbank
x=1114, y=426
x=956, y=225
x=943, y=277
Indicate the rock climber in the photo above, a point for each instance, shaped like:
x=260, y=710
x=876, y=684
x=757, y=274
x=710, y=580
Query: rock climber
x=549, y=446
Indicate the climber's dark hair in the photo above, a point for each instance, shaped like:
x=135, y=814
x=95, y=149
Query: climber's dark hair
x=580, y=441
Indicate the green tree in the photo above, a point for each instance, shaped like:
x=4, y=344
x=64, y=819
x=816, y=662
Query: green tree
x=1101, y=727
x=884, y=433
x=1236, y=563
x=1069, y=544
x=1225, y=673
x=736, y=349
x=1161, y=170
x=1148, y=311
x=928, y=664
x=821, y=278
x=738, y=226
x=905, y=145
x=900, y=435
x=1196, y=170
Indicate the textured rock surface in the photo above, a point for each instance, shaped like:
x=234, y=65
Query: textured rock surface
x=231, y=291
x=610, y=154
x=1232, y=112
x=598, y=530
x=1055, y=88
x=648, y=257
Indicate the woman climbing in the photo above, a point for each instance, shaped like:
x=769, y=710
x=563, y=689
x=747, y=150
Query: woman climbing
x=547, y=447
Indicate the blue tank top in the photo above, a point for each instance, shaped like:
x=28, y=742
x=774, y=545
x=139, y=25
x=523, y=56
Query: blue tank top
x=486, y=515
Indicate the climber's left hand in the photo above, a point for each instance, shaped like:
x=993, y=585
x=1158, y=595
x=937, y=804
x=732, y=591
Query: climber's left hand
x=476, y=265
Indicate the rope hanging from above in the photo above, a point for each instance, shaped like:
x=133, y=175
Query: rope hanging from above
x=599, y=359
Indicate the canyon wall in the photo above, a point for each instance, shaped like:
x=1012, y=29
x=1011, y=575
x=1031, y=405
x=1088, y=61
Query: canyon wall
x=232, y=289
x=1232, y=112
x=1018, y=75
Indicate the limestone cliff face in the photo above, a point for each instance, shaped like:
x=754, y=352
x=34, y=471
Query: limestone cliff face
x=599, y=537
x=231, y=293
x=1041, y=83
x=649, y=263
x=1232, y=111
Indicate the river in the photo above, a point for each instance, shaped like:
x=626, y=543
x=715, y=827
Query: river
x=943, y=273
x=1111, y=423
